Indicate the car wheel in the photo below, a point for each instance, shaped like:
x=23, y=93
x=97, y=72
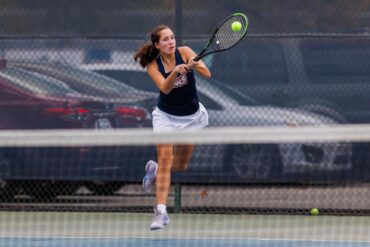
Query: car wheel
x=254, y=161
x=104, y=188
x=48, y=190
x=8, y=190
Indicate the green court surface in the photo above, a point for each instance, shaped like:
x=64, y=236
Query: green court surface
x=132, y=229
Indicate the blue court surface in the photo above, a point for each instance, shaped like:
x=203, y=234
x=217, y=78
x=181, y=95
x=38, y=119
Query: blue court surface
x=84, y=229
x=156, y=242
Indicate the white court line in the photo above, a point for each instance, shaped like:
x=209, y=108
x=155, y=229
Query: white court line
x=196, y=238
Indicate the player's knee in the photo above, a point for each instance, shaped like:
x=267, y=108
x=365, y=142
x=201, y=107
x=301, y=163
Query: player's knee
x=179, y=166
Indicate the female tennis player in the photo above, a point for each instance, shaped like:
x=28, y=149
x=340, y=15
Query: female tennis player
x=178, y=108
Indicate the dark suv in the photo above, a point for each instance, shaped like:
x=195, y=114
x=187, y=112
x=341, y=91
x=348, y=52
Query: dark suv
x=330, y=76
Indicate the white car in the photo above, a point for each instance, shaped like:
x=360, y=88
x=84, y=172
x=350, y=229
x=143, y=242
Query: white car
x=227, y=107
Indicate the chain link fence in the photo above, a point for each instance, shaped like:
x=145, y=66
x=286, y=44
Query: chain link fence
x=298, y=59
x=66, y=18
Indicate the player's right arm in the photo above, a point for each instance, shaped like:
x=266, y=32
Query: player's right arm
x=165, y=85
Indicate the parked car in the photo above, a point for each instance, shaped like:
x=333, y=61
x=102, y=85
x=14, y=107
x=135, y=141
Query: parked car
x=92, y=84
x=229, y=107
x=248, y=163
x=329, y=76
x=31, y=100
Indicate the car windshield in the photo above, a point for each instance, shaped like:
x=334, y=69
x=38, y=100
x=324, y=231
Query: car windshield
x=88, y=80
x=83, y=81
x=36, y=83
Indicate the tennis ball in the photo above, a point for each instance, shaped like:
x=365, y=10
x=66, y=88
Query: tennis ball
x=314, y=211
x=236, y=26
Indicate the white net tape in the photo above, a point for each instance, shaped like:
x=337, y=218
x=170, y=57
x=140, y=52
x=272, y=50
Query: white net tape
x=120, y=137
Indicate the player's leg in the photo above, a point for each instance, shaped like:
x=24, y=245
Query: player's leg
x=182, y=156
x=163, y=183
x=160, y=124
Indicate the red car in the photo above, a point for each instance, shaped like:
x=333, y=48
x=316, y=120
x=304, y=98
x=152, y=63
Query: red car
x=31, y=100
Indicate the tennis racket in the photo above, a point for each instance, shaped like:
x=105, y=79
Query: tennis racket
x=224, y=37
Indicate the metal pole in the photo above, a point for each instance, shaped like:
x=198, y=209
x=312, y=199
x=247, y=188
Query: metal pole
x=177, y=206
x=178, y=22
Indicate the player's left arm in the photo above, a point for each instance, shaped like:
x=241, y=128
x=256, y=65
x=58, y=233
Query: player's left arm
x=199, y=66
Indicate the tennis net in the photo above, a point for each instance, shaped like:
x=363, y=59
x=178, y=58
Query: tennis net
x=257, y=169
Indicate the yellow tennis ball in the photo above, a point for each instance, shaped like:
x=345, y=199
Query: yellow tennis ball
x=314, y=211
x=236, y=26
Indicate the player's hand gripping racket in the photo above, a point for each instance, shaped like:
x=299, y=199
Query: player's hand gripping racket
x=232, y=30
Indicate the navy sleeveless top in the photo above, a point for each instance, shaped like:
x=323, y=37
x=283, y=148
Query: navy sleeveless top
x=183, y=98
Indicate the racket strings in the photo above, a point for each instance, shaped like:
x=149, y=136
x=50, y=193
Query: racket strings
x=226, y=37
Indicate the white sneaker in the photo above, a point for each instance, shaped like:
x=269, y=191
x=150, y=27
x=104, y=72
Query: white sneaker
x=159, y=220
x=150, y=174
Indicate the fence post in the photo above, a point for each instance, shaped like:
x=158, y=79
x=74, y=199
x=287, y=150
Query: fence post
x=177, y=207
x=178, y=22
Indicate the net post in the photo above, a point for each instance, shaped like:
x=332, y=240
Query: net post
x=177, y=206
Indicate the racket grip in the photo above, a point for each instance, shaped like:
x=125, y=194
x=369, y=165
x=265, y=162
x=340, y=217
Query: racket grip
x=197, y=58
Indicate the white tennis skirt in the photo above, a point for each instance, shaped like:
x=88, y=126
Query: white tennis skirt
x=164, y=122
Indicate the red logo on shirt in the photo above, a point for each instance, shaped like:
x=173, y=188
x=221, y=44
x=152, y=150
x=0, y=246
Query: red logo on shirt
x=181, y=80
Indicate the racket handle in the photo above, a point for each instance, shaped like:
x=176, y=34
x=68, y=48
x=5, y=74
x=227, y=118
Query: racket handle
x=197, y=58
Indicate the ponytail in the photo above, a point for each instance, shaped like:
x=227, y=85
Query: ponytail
x=148, y=52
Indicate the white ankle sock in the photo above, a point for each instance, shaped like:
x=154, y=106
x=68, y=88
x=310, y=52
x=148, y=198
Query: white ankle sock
x=161, y=208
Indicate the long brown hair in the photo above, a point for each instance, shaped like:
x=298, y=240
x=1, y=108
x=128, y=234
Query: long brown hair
x=148, y=52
